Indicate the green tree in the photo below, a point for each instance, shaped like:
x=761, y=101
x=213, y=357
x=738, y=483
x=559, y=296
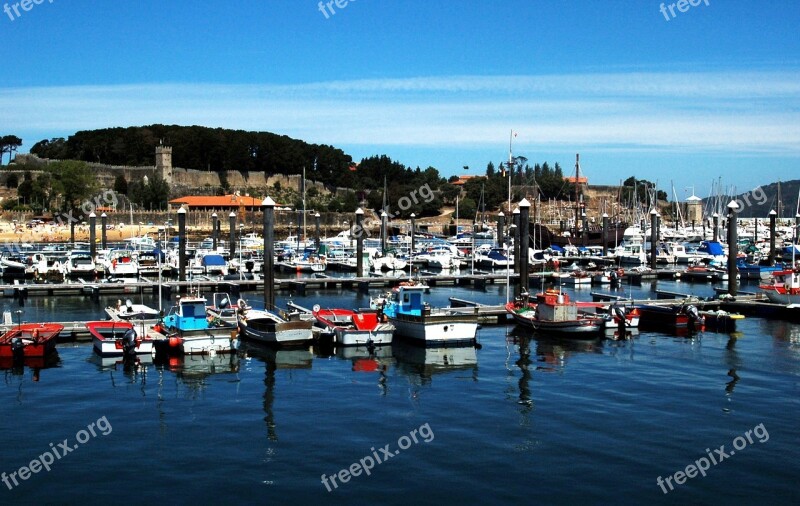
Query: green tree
x=12, y=181
x=9, y=144
x=77, y=182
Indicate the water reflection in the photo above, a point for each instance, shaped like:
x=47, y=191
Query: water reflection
x=420, y=364
x=274, y=359
x=132, y=368
x=376, y=360
x=194, y=370
x=16, y=368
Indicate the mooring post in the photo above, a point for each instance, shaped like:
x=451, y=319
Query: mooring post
x=501, y=227
x=584, y=230
x=232, y=225
x=92, y=234
x=733, y=246
x=755, y=233
x=359, y=231
x=653, y=238
x=317, y=238
x=72, y=233
x=214, y=230
x=413, y=233
x=605, y=234
x=268, y=207
x=716, y=227
x=515, y=218
x=384, y=218
x=181, y=244
x=772, y=219
x=524, y=218
x=103, y=219
x=796, y=227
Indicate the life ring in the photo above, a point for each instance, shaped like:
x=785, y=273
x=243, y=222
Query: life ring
x=620, y=272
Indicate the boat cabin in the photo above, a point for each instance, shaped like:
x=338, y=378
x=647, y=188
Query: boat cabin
x=189, y=314
x=410, y=300
x=554, y=306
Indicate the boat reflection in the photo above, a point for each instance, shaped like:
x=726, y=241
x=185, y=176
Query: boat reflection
x=276, y=358
x=194, y=369
x=376, y=359
x=421, y=363
x=552, y=352
x=134, y=368
x=16, y=367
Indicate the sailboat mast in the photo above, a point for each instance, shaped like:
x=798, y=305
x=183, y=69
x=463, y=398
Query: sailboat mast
x=577, y=190
x=304, y=202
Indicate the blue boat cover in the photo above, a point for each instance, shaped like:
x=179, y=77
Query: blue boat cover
x=557, y=248
x=711, y=247
x=213, y=260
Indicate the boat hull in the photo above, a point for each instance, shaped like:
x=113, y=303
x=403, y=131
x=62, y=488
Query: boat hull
x=582, y=328
x=269, y=332
x=107, y=339
x=437, y=330
x=37, y=340
x=777, y=297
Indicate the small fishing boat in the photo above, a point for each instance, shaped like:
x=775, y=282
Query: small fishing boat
x=30, y=340
x=415, y=319
x=354, y=328
x=132, y=312
x=271, y=328
x=188, y=330
x=672, y=316
x=784, y=287
x=118, y=338
x=612, y=314
x=555, y=314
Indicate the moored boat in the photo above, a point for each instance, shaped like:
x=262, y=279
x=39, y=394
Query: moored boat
x=555, y=314
x=354, y=328
x=187, y=329
x=784, y=287
x=30, y=340
x=271, y=328
x=672, y=316
x=415, y=319
x=118, y=338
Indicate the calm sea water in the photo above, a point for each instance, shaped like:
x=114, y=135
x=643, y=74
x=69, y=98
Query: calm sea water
x=523, y=419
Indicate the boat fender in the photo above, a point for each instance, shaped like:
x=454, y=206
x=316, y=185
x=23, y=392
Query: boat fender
x=35, y=335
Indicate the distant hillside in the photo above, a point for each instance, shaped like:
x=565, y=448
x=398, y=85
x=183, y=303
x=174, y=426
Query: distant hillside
x=760, y=201
x=202, y=148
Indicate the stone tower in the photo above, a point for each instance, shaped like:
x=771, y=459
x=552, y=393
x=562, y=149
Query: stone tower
x=164, y=162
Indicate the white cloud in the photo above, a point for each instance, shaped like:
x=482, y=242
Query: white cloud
x=727, y=112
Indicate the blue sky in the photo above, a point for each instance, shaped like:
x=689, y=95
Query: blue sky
x=712, y=92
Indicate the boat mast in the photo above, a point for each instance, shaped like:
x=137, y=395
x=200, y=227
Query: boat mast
x=304, y=202
x=577, y=190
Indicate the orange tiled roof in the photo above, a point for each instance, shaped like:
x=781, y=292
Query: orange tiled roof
x=581, y=180
x=464, y=179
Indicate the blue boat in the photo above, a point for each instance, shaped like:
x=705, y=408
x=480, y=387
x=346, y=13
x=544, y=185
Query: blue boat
x=754, y=271
x=188, y=329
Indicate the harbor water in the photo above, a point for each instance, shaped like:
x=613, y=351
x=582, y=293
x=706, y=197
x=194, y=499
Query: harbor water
x=523, y=419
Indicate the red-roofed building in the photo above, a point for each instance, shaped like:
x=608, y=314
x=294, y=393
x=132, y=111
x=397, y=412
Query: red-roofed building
x=582, y=180
x=215, y=203
x=463, y=179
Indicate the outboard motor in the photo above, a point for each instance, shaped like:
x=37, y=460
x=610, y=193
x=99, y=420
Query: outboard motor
x=129, y=343
x=17, y=348
x=619, y=313
x=614, y=278
x=694, y=317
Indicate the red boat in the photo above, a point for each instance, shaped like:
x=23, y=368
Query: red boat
x=353, y=328
x=30, y=340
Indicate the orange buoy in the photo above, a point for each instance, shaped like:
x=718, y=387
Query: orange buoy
x=175, y=342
